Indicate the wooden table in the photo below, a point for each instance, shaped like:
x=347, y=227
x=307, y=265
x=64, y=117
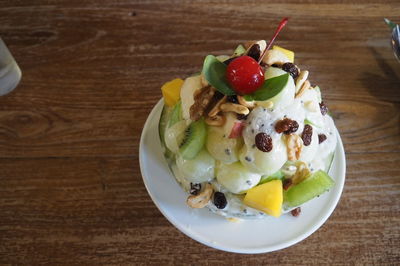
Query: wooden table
x=70, y=185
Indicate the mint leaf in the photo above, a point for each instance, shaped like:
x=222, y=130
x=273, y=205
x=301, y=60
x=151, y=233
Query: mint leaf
x=270, y=88
x=214, y=72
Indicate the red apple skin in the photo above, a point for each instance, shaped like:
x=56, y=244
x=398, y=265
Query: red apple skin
x=236, y=130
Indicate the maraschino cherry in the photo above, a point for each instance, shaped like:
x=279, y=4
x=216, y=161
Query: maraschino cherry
x=244, y=74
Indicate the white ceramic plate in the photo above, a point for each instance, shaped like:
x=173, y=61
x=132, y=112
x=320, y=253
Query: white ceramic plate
x=246, y=236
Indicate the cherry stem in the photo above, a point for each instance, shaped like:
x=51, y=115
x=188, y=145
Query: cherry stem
x=280, y=27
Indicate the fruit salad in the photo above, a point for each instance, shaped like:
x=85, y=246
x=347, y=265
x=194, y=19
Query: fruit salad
x=248, y=136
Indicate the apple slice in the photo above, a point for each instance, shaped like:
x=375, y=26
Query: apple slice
x=236, y=130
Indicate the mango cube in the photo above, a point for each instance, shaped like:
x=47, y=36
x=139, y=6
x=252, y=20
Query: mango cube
x=289, y=54
x=171, y=91
x=267, y=198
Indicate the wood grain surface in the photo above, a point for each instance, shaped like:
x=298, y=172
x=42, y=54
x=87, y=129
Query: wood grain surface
x=71, y=191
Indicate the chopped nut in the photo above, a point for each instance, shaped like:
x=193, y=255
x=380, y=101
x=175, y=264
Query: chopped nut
x=200, y=200
x=217, y=108
x=306, y=86
x=266, y=104
x=302, y=173
x=217, y=120
x=301, y=79
x=248, y=104
x=204, y=82
x=233, y=107
x=294, y=146
x=202, y=99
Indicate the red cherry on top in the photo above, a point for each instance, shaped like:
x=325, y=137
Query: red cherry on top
x=245, y=75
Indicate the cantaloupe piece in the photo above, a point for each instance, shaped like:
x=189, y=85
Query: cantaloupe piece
x=171, y=91
x=267, y=198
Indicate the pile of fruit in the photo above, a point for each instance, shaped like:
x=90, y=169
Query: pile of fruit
x=248, y=136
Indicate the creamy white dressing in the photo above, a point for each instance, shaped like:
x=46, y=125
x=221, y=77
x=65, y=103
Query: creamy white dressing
x=304, y=109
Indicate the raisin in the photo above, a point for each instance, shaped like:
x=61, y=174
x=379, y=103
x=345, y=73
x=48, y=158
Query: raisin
x=241, y=116
x=287, y=126
x=287, y=183
x=291, y=69
x=264, y=142
x=232, y=99
x=296, y=212
x=227, y=61
x=307, y=135
x=321, y=138
x=254, y=52
x=323, y=108
x=220, y=200
x=195, y=188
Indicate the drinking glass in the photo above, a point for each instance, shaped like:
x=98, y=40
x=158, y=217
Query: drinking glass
x=10, y=73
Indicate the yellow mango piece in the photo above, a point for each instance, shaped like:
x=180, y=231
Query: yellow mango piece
x=289, y=54
x=171, y=91
x=267, y=198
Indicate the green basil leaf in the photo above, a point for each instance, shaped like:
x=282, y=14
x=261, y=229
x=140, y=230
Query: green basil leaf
x=214, y=72
x=270, y=88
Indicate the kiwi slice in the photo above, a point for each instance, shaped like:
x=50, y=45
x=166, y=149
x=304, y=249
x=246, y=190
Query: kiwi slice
x=194, y=139
x=315, y=185
x=176, y=114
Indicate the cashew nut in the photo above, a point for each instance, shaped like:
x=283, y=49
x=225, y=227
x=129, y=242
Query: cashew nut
x=301, y=79
x=306, y=86
x=233, y=107
x=265, y=104
x=294, y=146
x=215, y=110
x=272, y=57
x=217, y=120
x=200, y=200
x=248, y=104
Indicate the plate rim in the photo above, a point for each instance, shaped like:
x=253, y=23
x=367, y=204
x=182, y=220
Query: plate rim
x=251, y=250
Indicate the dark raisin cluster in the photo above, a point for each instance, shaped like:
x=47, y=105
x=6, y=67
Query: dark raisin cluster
x=264, y=142
x=291, y=69
x=306, y=136
x=286, y=126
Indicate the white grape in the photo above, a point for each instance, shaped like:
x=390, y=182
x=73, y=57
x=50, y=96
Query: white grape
x=265, y=163
x=200, y=169
x=236, y=178
x=221, y=147
x=190, y=85
x=174, y=136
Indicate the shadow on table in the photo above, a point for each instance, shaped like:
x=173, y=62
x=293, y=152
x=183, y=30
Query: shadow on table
x=385, y=87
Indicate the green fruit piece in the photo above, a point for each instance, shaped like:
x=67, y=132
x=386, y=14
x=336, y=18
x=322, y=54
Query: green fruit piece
x=176, y=114
x=194, y=139
x=315, y=185
x=276, y=176
x=240, y=50
x=164, y=118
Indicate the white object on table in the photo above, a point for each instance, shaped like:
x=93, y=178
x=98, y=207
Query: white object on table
x=10, y=73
